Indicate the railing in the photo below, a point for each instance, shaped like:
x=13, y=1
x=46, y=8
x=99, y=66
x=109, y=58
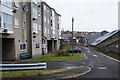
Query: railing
x=17, y=67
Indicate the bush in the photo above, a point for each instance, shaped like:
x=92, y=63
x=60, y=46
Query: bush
x=62, y=53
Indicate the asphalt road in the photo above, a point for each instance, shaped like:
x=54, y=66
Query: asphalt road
x=101, y=66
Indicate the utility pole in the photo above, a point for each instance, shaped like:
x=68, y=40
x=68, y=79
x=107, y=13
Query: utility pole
x=72, y=34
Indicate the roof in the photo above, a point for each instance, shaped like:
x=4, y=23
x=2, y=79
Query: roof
x=94, y=37
x=77, y=35
x=104, y=37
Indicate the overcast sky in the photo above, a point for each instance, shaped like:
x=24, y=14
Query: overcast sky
x=89, y=15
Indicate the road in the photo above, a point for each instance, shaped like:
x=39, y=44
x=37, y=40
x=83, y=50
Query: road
x=101, y=66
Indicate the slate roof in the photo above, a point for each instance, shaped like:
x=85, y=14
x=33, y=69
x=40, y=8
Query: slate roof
x=104, y=37
x=94, y=37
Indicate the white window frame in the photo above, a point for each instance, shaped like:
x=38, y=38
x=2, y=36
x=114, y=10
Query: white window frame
x=45, y=30
x=16, y=4
x=22, y=47
x=35, y=13
x=45, y=19
x=39, y=27
x=39, y=14
x=35, y=27
x=45, y=7
x=3, y=23
x=35, y=1
x=0, y=20
x=7, y=3
x=47, y=11
x=16, y=22
x=39, y=1
x=48, y=21
x=48, y=31
x=53, y=32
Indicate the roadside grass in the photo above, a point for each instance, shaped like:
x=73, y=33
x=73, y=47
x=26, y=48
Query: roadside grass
x=66, y=47
x=53, y=57
x=11, y=74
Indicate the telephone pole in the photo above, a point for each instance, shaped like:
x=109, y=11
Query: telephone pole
x=72, y=33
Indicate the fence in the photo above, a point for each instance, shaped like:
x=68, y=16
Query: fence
x=17, y=67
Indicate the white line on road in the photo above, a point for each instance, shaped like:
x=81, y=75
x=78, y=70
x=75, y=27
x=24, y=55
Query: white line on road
x=102, y=67
x=88, y=51
x=109, y=57
x=95, y=55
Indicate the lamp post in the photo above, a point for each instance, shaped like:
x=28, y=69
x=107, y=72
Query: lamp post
x=72, y=33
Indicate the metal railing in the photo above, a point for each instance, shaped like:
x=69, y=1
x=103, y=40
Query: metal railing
x=17, y=67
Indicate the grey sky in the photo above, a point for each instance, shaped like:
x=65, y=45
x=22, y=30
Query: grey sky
x=89, y=15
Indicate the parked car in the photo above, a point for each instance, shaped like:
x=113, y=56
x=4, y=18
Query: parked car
x=74, y=50
x=25, y=56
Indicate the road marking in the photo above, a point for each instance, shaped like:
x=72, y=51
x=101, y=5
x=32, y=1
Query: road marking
x=86, y=48
x=77, y=75
x=83, y=62
x=85, y=56
x=95, y=55
x=102, y=68
x=109, y=57
x=88, y=51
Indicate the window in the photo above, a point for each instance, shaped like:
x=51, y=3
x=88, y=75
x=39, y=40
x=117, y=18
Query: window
x=37, y=45
x=23, y=46
x=45, y=30
x=47, y=11
x=6, y=21
x=35, y=27
x=48, y=31
x=16, y=20
x=16, y=4
x=39, y=14
x=0, y=19
x=45, y=18
x=34, y=1
x=7, y=3
x=53, y=31
x=35, y=13
x=48, y=21
x=39, y=1
x=39, y=27
x=44, y=7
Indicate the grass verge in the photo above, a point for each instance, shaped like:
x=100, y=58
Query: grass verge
x=27, y=73
x=45, y=74
x=53, y=57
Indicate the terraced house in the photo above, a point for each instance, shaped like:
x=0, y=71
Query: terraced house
x=21, y=25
